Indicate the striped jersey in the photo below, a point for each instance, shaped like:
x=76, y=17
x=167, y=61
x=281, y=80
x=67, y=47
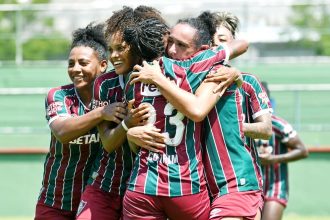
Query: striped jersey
x=228, y=162
x=276, y=175
x=110, y=171
x=67, y=166
x=178, y=169
x=255, y=102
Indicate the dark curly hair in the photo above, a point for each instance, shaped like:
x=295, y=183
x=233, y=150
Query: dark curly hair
x=127, y=17
x=92, y=36
x=205, y=28
x=146, y=38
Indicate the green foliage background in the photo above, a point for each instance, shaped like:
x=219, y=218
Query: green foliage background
x=37, y=46
x=306, y=19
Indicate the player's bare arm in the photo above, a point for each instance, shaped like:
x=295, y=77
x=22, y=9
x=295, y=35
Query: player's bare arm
x=67, y=129
x=261, y=128
x=298, y=151
x=113, y=135
x=194, y=106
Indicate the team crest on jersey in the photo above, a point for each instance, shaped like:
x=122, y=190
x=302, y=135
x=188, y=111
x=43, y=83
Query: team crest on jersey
x=81, y=206
x=54, y=107
x=149, y=90
x=264, y=98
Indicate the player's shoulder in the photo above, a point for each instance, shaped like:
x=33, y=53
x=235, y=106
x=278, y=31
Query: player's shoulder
x=108, y=75
x=58, y=93
x=279, y=121
x=63, y=89
x=249, y=77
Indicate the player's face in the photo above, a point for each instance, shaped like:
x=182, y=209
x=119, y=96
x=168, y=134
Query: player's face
x=121, y=56
x=180, y=43
x=84, y=66
x=222, y=35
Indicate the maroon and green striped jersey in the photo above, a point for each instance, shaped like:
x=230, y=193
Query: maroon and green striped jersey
x=111, y=171
x=255, y=102
x=67, y=166
x=228, y=162
x=276, y=175
x=178, y=169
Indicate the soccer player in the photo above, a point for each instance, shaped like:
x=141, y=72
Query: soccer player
x=168, y=183
x=74, y=137
x=257, y=124
x=256, y=104
x=224, y=134
x=102, y=199
x=283, y=147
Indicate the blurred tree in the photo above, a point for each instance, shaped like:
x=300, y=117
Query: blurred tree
x=313, y=18
x=35, y=30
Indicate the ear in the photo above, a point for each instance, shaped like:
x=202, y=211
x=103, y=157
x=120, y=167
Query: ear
x=205, y=47
x=104, y=65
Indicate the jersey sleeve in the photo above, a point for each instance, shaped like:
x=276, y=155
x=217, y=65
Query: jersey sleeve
x=284, y=129
x=55, y=105
x=224, y=47
x=258, y=98
x=106, y=90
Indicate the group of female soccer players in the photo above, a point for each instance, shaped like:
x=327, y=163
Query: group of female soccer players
x=167, y=134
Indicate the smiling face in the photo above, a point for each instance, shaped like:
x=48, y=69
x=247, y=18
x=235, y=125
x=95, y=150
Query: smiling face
x=121, y=55
x=84, y=66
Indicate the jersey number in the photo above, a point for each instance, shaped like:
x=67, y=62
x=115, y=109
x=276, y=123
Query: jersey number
x=175, y=120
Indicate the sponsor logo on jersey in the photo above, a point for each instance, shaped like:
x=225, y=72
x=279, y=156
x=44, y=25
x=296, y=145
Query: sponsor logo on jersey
x=149, y=90
x=264, y=98
x=87, y=139
x=99, y=103
x=162, y=158
x=54, y=107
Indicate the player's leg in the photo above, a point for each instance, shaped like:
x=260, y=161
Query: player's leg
x=273, y=210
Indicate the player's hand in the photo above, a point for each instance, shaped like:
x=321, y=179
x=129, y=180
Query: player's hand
x=138, y=116
x=146, y=73
x=265, y=155
x=147, y=137
x=115, y=112
x=225, y=76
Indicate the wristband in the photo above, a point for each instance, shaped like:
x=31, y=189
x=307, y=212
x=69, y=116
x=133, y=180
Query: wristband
x=124, y=125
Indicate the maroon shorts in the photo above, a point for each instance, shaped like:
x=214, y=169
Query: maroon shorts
x=45, y=212
x=96, y=204
x=142, y=206
x=237, y=204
